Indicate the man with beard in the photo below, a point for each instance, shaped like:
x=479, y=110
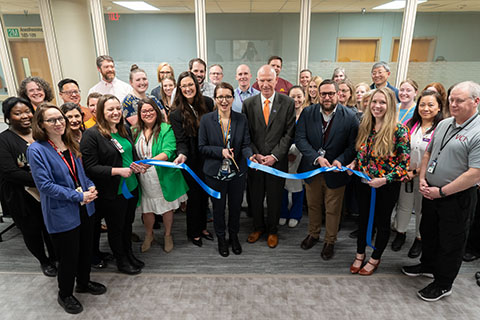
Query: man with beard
x=70, y=92
x=109, y=84
x=198, y=67
x=325, y=135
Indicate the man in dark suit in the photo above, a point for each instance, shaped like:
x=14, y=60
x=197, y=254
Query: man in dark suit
x=271, y=123
x=325, y=135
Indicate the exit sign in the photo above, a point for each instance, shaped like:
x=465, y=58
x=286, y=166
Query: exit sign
x=113, y=16
x=13, y=33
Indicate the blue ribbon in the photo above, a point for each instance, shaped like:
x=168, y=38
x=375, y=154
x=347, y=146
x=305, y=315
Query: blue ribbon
x=167, y=164
x=309, y=174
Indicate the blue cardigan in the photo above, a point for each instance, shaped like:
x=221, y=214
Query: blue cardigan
x=59, y=199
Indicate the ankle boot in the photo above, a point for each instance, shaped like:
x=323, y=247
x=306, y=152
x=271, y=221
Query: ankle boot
x=236, y=247
x=223, y=246
x=147, y=243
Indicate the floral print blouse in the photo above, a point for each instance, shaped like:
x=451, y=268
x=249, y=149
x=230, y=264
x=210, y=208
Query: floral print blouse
x=393, y=168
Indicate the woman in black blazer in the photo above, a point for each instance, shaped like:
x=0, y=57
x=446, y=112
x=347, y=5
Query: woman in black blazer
x=224, y=141
x=188, y=108
x=108, y=154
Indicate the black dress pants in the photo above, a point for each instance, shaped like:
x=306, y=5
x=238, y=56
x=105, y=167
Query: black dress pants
x=473, y=241
x=119, y=216
x=74, y=249
x=232, y=189
x=35, y=233
x=259, y=185
x=444, y=228
x=197, y=206
x=386, y=198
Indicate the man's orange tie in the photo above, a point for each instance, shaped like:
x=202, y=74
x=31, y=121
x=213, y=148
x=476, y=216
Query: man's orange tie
x=266, y=111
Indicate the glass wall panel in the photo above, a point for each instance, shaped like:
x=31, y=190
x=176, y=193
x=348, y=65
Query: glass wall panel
x=352, y=35
x=147, y=38
x=454, y=52
x=27, y=45
x=250, y=32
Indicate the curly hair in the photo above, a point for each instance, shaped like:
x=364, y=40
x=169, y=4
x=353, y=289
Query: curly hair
x=22, y=91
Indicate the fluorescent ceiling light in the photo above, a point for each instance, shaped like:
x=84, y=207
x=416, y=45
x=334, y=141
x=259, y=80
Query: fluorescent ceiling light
x=394, y=5
x=136, y=5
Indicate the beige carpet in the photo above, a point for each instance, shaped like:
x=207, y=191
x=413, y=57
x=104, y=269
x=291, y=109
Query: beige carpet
x=161, y=296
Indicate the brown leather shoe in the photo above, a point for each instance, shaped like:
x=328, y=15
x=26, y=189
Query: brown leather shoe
x=254, y=236
x=308, y=242
x=272, y=240
x=327, y=251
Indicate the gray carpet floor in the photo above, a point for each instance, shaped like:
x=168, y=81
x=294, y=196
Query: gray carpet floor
x=262, y=283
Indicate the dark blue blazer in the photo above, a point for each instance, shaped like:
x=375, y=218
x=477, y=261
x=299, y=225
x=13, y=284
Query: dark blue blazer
x=58, y=197
x=340, y=144
x=210, y=142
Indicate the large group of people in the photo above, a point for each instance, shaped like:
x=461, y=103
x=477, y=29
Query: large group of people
x=65, y=168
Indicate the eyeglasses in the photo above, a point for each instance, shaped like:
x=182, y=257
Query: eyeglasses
x=148, y=111
x=377, y=73
x=187, y=86
x=330, y=94
x=458, y=101
x=216, y=73
x=72, y=92
x=220, y=98
x=345, y=90
x=52, y=121
x=165, y=72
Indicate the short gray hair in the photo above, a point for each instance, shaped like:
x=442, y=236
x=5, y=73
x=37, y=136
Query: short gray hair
x=381, y=64
x=472, y=87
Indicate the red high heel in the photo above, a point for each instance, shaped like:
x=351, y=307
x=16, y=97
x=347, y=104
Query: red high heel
x=354, y=269
x=364, y=272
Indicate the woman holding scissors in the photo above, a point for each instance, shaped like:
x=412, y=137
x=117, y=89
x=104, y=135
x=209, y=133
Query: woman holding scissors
x=224, y=142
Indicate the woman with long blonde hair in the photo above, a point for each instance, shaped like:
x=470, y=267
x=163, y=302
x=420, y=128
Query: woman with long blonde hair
x=383, y=153
x=311, y=96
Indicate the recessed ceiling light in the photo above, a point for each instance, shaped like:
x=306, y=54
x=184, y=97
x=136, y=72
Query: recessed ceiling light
x=136, y=5
x=395, y=5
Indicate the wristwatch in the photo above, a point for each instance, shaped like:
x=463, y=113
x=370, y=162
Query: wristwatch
x=443, y=195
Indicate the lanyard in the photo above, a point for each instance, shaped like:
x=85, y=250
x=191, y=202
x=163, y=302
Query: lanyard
x=73, y=170
x=240, y=94
x=442, y=145
x=325, y=128
x=405, y=114
x=224, y=132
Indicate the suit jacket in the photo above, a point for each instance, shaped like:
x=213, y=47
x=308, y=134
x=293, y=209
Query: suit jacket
x=58, y=197
x=277, y=137
x=211, y=144
x=340, y=144
x=99, y=157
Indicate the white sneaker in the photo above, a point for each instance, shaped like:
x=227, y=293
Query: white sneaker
x=292, y=223
x=282, y=221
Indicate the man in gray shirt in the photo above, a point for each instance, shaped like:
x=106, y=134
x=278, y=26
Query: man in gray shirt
x=449, y=172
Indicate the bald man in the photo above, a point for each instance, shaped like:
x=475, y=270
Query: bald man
x=244, y=90
x=271, y=123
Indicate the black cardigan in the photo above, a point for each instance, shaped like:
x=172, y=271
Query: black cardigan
x=99, y=157
x=15, y=175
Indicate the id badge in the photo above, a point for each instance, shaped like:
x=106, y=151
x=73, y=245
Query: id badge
x=79, y=189
x=431, y=167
